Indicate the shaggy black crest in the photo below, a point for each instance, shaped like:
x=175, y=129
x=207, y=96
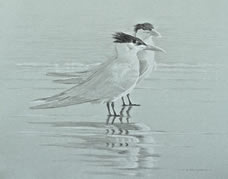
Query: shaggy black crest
x=121, y=37
x=144, y=26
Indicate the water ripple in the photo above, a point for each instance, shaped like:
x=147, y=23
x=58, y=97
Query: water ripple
x=117, y=145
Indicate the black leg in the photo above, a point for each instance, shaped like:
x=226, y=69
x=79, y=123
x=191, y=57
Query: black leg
x=121, y=114
x=122, y=110
x=128, y=114
x=130, y=103
x=124, y=104
x=107, y=120
x=128, y=111
x=108, y=107
x=113, y=120
x=113, y=108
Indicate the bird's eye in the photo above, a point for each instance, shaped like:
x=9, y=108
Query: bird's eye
x=134, y=41
x=139, y=43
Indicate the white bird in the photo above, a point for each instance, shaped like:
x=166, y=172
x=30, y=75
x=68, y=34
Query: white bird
x=144, y=31
x=147, y=63
x=109, y=82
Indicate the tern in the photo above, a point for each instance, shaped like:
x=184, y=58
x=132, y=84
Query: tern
x=111, y=81
x=146, y=32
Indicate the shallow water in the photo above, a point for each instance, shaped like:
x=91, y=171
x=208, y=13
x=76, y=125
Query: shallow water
x=180, y=129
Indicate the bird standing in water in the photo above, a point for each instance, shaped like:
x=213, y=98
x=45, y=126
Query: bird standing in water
x=144, y=31
x=109, y=82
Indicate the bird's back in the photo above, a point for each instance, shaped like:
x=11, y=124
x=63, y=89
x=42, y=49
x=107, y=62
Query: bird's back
x=108, y=83
x=113, y=79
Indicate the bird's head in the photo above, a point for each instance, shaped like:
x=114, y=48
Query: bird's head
x=133, y=43
x=145, y=30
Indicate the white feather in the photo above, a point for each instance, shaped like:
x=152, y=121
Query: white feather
x=107, y=83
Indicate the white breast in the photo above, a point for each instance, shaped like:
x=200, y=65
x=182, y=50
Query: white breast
x=146, y=61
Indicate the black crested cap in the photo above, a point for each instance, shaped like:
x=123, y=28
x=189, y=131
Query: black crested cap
x=120, y=37
x=144, y=26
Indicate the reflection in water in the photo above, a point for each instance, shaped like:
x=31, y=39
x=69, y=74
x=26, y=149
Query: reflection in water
x=118, y=147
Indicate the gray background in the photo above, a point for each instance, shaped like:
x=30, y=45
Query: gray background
x=180, y=131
